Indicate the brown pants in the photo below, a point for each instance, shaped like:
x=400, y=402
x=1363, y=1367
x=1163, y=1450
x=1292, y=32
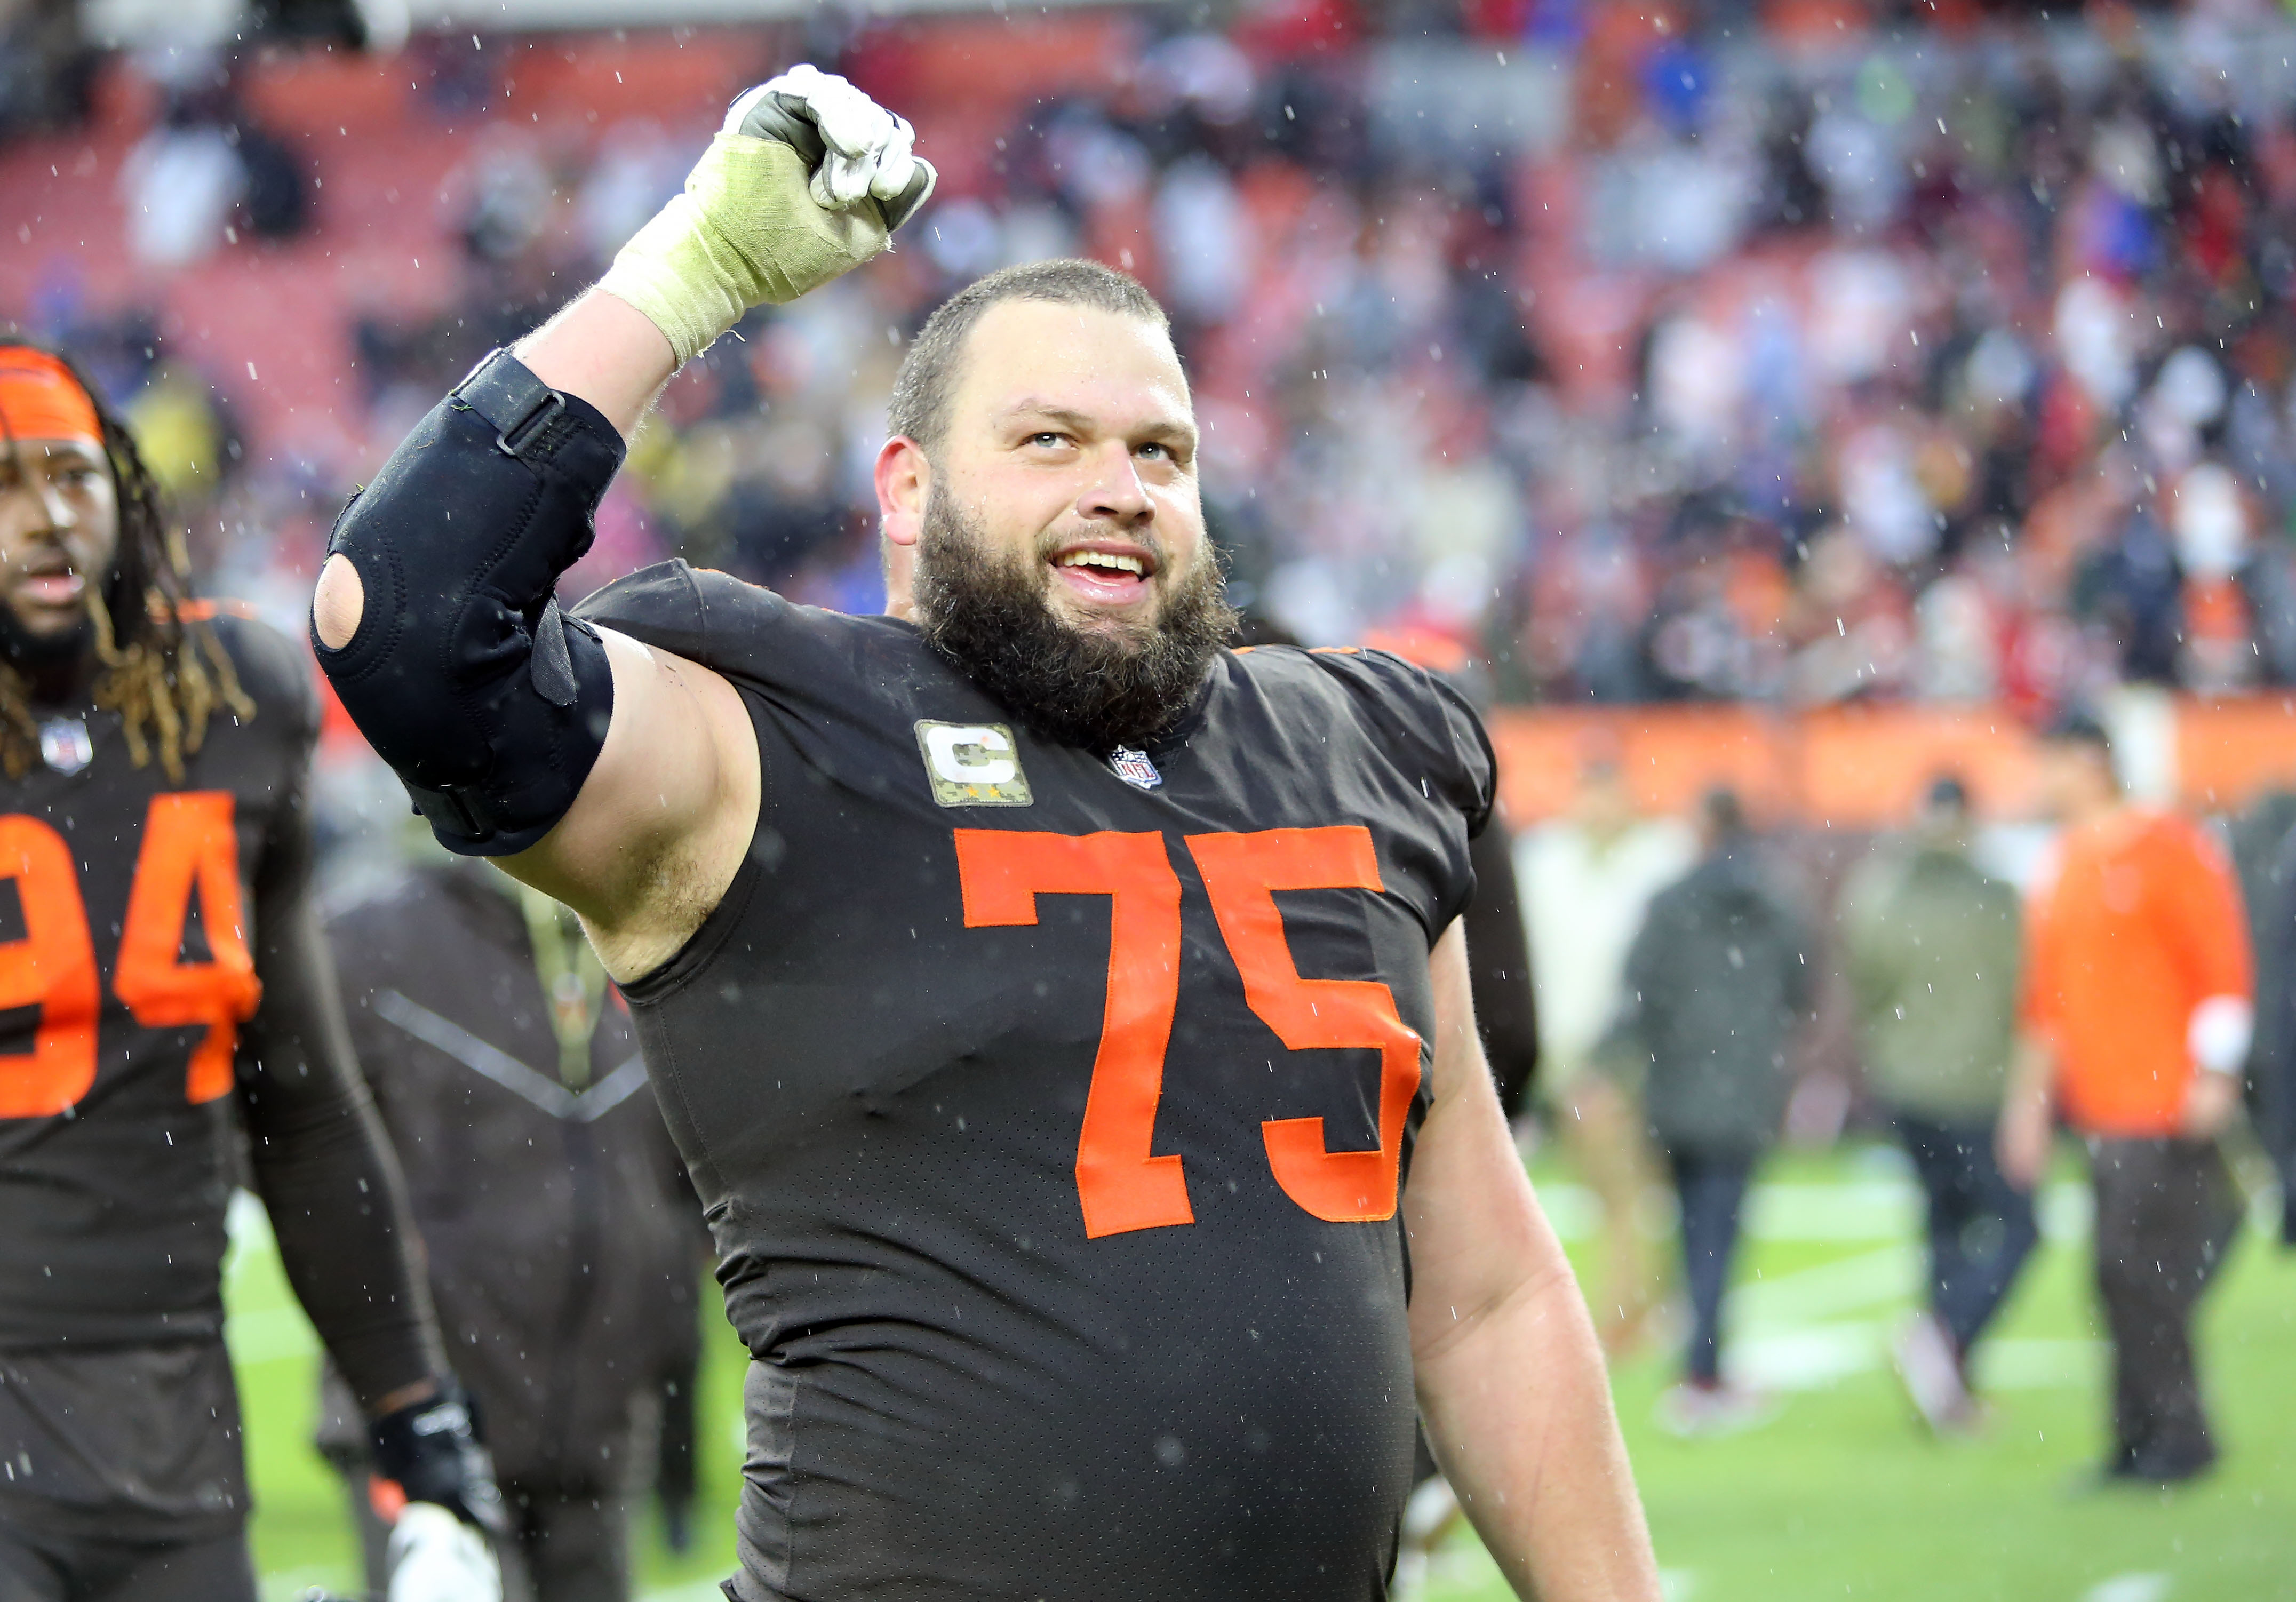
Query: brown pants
x=120, y=1477
x=44, y=1567
x=2166, y=1210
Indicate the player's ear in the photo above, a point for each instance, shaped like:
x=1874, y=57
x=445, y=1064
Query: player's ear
x=903, y=484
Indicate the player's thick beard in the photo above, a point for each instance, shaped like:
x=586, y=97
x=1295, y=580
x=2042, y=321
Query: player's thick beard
x=993, y=618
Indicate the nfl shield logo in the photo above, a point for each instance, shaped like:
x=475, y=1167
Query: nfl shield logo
x=65, y=745
x=1133, y=767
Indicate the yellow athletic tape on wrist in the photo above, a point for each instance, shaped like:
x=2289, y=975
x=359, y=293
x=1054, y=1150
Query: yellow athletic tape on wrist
x=745, y=233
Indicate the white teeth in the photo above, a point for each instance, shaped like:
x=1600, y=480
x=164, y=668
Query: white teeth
x=1123, y=564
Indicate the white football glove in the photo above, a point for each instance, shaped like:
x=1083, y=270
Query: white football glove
x=434, y=1557
x=807, y=179
x=854, y=146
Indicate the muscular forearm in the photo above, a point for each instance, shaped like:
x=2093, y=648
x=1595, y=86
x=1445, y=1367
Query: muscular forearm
x=807, y=179
x=1518, y=1410
x=605, y=350
x=1510, y=1382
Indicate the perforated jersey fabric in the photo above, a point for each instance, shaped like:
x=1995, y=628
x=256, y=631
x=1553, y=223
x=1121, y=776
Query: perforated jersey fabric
x=999, y=1351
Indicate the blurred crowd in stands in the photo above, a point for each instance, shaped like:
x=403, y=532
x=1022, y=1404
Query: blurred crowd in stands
x=1795, y=353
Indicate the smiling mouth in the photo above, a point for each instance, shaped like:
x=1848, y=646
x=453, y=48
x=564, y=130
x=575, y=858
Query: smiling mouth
x=1106, y=577
x=1109, y=559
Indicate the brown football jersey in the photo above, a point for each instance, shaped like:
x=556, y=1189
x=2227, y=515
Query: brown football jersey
x=128, y=980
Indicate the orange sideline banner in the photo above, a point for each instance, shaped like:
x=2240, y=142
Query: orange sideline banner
x=1865, y=767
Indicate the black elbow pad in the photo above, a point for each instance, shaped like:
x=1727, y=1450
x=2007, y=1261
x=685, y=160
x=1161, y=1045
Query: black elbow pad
x=463, y=674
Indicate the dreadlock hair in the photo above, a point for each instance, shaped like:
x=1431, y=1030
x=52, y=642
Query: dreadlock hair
x=164, y=671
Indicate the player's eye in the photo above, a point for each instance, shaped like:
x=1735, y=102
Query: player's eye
x=1049, y=439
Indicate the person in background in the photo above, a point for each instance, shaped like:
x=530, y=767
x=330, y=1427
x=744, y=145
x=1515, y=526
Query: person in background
x=2263, y=840
x=1586, y=878
x=1932, y=947
x=163, y=975
x=2138, y=1013
x=1716, y=983
x=2273, y=1063
x=548, y=1194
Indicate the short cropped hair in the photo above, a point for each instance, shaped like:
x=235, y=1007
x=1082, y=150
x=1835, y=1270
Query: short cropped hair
x=1947, y=794
x=928, y=376
x=1723, y=812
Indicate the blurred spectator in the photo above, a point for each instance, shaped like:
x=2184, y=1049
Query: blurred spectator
x=2273, y=1064
x=562, y=1254
x=183, y=185
x=47, y=67
x=1717, y=983
x=1587, y=878
x=208, y=170
x=2139, y=1014
x=1660, y=357
x=2265, y=861
x=1932, y=947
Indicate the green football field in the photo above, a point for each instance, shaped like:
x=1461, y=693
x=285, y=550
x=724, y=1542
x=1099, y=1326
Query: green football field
x=1838, y=1496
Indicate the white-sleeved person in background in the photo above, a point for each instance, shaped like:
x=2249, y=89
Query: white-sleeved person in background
x=2138, y=1013
x=1056, y=1164
x=1587, y=877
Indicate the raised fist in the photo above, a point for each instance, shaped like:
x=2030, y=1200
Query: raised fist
x=852, y=146
x=807, y=179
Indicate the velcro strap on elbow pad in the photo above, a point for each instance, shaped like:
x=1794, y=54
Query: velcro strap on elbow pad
x=463, y=674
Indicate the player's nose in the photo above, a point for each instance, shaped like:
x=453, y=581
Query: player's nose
x=57, y=508
x=1115, y=493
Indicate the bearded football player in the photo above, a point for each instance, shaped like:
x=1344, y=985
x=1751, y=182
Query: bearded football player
x=1064, y=1018
x=166, y=994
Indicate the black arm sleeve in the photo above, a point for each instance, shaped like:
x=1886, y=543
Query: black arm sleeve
x=461, y=673
x=1498, y=954
x=325, y=1173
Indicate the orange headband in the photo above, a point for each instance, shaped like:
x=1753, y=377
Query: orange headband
x=40, y=399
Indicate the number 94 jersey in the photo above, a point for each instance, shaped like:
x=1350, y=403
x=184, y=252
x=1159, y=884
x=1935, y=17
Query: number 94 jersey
x=127, y=975
x=1051, y=1109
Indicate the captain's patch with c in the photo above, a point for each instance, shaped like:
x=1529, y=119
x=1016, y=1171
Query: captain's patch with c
x=972, y=764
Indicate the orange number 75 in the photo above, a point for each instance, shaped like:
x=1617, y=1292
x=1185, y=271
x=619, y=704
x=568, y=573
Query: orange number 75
x=189, y=844
x=1122, y=1184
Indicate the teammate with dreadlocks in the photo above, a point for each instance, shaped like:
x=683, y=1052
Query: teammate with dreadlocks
x=162, y=988
x=165, y=673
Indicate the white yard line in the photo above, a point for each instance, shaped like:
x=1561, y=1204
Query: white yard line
x=1886, y=1274
x=1789, y=1333
x=2130, y=1587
